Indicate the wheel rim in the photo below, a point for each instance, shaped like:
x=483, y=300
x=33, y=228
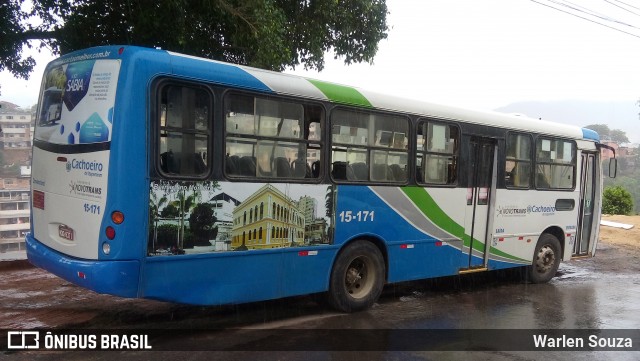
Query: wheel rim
x=359, y=277
x=545, y=259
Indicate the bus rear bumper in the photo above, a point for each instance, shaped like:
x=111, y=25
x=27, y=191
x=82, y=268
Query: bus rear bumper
x=119, y=278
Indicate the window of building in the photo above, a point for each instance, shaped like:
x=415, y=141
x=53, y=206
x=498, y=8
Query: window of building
x=368, y=146
x=555, y=164
x=184, y=116
x=518, y=161
x=272, y=138
x=437, y=146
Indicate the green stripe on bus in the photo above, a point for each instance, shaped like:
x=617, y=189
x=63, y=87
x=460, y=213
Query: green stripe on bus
x=427, y=205
x=430, y=208
x=341, y=94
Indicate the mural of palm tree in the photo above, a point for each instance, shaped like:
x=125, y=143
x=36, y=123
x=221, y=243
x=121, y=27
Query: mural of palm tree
x=182, y=201
x=155, y=204
x=184, y=204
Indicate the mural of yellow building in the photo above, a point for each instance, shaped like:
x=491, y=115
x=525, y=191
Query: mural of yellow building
x=267, y=219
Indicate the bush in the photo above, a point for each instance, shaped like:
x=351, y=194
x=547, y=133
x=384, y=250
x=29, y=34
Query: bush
x=167, y=236
x=616, y=200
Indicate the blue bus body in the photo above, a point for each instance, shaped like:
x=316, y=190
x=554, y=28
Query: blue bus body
x=421, y=230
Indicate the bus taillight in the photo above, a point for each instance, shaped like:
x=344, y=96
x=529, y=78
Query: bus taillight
x=110, y=232
x=117, y=217
x=38, y=199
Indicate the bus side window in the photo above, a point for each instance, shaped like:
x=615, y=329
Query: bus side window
x=272, y=138
x=437, y=146
x=555, y=163
x=518, y=161
x=368, y=146
x=184, y=130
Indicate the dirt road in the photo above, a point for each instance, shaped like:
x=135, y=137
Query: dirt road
x=617, y=236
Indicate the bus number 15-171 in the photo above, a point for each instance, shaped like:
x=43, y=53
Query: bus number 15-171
x=91, y=208
x=359, y=216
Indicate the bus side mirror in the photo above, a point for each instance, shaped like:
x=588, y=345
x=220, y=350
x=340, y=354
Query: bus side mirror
x=613, y=167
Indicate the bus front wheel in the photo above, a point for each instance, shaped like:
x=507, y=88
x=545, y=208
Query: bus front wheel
x=357, y=277
x=546, y=259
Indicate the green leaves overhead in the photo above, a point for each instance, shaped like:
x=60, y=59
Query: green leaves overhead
x=270, y=34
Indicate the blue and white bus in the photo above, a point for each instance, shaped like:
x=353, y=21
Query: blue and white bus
x=165, y=176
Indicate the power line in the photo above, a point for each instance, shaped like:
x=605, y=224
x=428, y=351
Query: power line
x=578, y=8
x=584, y=18
x=629, y=5
x=623, y=8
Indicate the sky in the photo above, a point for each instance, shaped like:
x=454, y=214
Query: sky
x=481, y=54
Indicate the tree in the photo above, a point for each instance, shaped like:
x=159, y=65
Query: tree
x=616, y=135
x=616, y=200
x=602, y=129
x=201, y=222
x=270, y=34
x=170, y=211
x=155, y=203
x=14, y=22
x=184, y=203
x=619, y=136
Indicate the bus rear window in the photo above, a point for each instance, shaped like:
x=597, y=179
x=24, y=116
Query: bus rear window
x=76, y=103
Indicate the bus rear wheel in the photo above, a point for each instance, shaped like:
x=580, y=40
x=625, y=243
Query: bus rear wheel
x=357, y=277
x=546, y=259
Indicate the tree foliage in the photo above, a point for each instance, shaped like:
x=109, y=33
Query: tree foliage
x=170, y=211
x=270, y=34
x=13, y=24
x=201, y=222
x=619, y=136
x=631, y=183
x=616, y=135
x=616, y=200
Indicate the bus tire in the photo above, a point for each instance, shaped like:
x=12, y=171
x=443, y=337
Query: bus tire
x=546, y=259
x=357, y=277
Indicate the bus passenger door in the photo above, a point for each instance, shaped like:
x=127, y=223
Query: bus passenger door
x=481, y=181
x=587, y=198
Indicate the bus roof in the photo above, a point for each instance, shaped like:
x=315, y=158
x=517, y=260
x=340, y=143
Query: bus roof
x=292, y=85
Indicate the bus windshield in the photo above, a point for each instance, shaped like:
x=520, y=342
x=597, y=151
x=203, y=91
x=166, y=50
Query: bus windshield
x=77, y=100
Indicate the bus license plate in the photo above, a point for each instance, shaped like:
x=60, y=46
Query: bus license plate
x=65, y=232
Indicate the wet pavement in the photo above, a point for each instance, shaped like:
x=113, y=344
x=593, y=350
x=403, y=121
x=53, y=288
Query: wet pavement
x=592, y=293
